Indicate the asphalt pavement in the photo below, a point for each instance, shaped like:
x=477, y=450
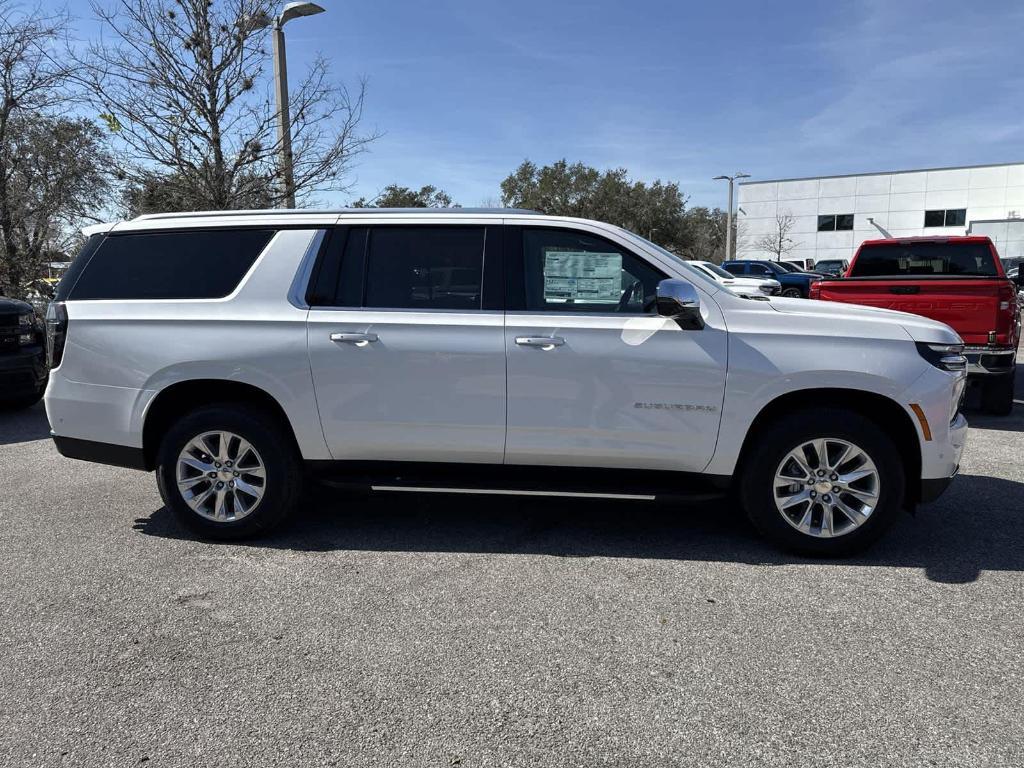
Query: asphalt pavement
x=432, y=630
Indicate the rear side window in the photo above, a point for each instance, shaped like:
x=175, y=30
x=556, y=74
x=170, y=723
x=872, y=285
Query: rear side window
x=200, y=264
x=424, y=268
x=973, y=259
x=406, y=267
x=736, y=269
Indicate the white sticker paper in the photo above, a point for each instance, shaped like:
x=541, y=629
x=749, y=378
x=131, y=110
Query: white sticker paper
x=582, y=276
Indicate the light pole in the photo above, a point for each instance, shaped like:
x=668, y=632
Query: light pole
x=728, y=215
x=284, y=131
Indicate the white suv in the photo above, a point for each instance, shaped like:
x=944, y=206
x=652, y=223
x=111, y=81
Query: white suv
x=236, y=354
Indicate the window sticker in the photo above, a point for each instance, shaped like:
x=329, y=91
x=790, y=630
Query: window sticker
x=586, y=277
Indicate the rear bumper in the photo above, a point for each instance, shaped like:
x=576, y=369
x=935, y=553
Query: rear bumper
x=22, y=372
x=100, y=453
x=989, y=361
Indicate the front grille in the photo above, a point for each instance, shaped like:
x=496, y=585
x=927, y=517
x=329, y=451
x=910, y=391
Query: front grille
x=8, y=341
x=8, y=320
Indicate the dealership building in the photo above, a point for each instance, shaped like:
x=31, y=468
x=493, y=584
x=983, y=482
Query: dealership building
x=828, y=217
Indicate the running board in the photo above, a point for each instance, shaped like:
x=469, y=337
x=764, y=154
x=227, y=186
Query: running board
x=516, y=480
x=511, y=492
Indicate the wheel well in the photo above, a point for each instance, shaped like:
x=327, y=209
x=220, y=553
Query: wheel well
x=887, y=414
x=178, y=399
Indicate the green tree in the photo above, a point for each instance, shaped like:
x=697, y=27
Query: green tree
x=395, y=196
x=706, y=234
x=52, y=168
x=655, y=210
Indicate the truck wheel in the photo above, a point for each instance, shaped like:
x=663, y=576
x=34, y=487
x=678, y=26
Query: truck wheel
x=229, y=472
x=997, y=394
x=24, y=401
x=792, y=293
x=823, y=483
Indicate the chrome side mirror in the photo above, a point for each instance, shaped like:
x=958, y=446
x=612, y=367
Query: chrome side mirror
x=679, y=300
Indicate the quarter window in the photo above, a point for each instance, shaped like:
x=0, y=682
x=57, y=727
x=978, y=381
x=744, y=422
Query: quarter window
x=569, y=271
x=835, y=222
x=201, y=264
x=948, y=217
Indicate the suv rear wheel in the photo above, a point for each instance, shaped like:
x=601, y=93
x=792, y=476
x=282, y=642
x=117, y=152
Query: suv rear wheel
x=823, y=482
x=229, y=472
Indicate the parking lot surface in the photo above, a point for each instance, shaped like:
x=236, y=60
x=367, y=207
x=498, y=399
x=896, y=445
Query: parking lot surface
x=432, y=630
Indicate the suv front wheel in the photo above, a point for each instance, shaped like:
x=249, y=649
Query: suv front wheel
x=229, y=472
x=823, y=482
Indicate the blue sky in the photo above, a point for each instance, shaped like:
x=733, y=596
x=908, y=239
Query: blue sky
x=464, y=91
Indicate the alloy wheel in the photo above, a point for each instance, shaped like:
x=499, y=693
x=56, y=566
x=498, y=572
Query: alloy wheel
x=826, y=487
x=220, y=476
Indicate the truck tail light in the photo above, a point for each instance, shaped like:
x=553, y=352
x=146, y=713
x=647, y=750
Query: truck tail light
x=56, y=332
x=814, y=291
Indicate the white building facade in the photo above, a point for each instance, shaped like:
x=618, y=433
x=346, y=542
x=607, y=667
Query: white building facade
x=829, y=217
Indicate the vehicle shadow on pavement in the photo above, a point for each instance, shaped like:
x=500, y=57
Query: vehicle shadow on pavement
x=23, y=425
x=975, y=527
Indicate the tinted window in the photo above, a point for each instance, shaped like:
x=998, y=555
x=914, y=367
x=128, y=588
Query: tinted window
x=760, y=269
x=835, y=221
x=956, y=217
x=568, y=271
x=924, y=259
x=424, y=268
x=70, y=277
x=736, y=269
x=949, y=217
x=202, y=264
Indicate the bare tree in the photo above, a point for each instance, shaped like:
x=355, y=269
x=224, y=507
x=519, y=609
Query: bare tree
x=51, y=167
x=183, y=87
x=778, y=242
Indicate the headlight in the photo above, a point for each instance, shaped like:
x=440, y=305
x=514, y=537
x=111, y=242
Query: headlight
x=948, y=357
x=26, y=321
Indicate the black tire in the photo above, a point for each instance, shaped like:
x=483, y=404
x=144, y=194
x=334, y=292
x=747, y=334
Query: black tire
x=792, y=293
x=997, y=394
x=24, y=401
x=283, y=469
x=785, y=435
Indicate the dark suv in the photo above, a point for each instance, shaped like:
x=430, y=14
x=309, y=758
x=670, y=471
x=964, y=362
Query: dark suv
x=794, y=284
x=23, y=371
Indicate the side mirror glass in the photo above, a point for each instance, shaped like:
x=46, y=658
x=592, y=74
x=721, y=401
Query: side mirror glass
x=679, y=300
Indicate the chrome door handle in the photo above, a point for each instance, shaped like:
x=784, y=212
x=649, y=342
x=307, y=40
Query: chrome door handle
x=544, y=342
x=359, y=339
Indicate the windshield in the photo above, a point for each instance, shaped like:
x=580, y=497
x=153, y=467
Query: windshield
x=786, y=267
x=925, y=258
x=715, y=270
x=688, y=265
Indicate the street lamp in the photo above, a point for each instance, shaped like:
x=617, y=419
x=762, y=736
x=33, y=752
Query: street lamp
x=728, y=215
x=284, y=133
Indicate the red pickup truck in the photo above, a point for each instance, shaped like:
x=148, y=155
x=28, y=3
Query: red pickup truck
x=956, y=280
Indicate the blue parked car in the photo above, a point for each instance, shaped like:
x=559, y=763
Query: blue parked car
x=794, y=284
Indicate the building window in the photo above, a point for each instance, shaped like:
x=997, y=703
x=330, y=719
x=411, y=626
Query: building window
x=835, y=222
x=950, y=217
